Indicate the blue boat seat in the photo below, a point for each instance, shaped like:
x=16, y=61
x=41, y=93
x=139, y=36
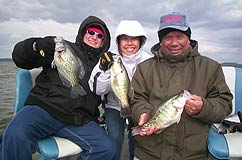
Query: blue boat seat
x=50, y=147
x=228, y=146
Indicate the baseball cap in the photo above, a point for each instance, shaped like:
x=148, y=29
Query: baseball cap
x=174, y=20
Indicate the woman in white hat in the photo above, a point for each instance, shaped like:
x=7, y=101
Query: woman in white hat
x=130, y=38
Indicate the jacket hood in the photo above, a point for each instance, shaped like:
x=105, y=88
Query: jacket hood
x=89, y=21
x=131, y=28
x=193, y=52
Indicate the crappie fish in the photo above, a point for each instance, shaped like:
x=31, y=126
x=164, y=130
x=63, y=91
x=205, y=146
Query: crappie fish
x=70, y=68
x=166, y=114
x=120, y=84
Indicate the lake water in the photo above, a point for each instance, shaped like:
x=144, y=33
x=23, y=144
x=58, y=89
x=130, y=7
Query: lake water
x=7, y=82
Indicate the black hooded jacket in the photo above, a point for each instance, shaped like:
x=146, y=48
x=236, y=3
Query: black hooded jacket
x=49, y=93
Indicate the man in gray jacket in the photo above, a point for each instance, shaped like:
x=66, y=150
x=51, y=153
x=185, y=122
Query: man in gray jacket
x=178, y=66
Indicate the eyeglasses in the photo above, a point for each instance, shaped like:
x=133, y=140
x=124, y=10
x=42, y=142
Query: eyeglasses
x=99, y=35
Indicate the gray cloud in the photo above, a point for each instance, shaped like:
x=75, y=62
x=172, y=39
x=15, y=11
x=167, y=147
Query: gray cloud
x=215, y=24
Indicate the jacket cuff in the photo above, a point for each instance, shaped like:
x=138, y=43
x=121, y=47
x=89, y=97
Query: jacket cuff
x=204, y=114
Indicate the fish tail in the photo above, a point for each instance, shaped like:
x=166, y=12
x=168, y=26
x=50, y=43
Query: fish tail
x=136, y=130
x=125, y=112
x=77, y=91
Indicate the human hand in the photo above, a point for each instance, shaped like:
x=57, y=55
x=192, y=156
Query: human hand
x=194, y=105
x=142, y=120
x=106, y=61
x=45, y=46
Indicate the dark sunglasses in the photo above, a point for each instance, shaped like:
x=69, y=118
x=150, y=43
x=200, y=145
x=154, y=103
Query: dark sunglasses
x=99, y=35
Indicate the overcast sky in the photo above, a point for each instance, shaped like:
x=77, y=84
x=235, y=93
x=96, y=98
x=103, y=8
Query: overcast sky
x=215, y=24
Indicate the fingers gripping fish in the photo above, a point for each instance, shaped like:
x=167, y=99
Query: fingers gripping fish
x=166, y=114
x=70, y=68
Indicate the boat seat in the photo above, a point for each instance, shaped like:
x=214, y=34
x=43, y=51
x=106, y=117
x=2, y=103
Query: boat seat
x=228, y=145
x=51, y=147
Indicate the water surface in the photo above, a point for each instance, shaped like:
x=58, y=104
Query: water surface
x=7, y=82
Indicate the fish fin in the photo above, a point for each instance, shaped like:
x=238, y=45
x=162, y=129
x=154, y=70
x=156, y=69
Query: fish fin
x=82, y=73
x=77, y=91
x=136, y=130
x=131, y=93
x=178, y=120
x=159, y=131
x=110, y=64
x=64, y=80
x=81, y=69
x=125, y=112
x=53, y=65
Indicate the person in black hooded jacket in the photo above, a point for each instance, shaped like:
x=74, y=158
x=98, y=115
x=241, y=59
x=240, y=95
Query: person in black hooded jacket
x=49, y=109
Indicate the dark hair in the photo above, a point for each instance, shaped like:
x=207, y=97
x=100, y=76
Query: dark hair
x=142, y=40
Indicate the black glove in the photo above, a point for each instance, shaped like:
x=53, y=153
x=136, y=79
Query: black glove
x=45, y=47
x=106, y=61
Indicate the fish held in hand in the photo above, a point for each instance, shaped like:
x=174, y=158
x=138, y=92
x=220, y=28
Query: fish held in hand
x=120, y=84
x=70, y=68
x=166, y=114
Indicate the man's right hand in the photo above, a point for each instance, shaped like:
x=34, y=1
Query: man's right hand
x=44, y=46
x=142, y=120
x=106, y=61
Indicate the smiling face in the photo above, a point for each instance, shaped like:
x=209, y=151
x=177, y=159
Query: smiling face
x=129, y=45
x=175, y=43
x=93, y=40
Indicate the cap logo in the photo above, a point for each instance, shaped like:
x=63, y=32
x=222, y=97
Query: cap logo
x=172, y=19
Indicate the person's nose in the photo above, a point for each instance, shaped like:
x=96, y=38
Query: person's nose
x=129, y=41
x=174, y=41
x=94, y=36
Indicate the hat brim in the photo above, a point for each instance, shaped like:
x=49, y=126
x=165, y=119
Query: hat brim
x=182, y=28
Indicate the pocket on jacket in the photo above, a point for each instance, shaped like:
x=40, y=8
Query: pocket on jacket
x=195, y=137
x=149, y=144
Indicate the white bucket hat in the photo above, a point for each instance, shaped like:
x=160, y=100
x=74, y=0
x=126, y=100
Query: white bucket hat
x=131, y=28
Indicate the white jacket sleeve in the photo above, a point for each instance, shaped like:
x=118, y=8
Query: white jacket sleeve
x=99, y=81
